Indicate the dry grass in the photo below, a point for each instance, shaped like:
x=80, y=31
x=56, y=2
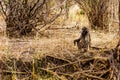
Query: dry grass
x=59, y=43
x=22, y=59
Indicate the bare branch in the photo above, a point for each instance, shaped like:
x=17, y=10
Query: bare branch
x=52, y=19
x=35, y=10
x=4, y=12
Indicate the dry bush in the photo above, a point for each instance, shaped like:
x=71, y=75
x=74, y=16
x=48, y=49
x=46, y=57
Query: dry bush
x=23, y=16
x=100, y=12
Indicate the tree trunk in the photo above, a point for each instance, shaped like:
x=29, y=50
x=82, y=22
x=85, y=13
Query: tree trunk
x=113, y=15
x=119, y=24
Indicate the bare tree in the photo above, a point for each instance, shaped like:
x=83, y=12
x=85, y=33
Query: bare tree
x=95, y=9
x=23, y=16
x=119, y=20
x=99, y=12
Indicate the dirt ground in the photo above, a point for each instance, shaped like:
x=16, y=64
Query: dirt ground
x=61, y=37
x=57, y=38
x=59, y=42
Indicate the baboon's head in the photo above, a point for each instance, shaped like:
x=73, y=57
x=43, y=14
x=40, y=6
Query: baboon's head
x=84, y=31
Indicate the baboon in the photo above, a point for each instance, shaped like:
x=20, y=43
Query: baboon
x=84, y=41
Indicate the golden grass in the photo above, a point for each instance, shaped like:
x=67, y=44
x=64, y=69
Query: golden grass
x=58, y=39
x=59, y=42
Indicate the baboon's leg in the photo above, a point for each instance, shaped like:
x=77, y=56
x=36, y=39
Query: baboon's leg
x=88, y=41
x=79, y=45
x=89, y=46
x=84, y=46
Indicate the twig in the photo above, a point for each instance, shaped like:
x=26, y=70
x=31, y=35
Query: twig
x=54, y=73
x=15, y=72
x=72, y=63
x=96, y=77
x=51, y=20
